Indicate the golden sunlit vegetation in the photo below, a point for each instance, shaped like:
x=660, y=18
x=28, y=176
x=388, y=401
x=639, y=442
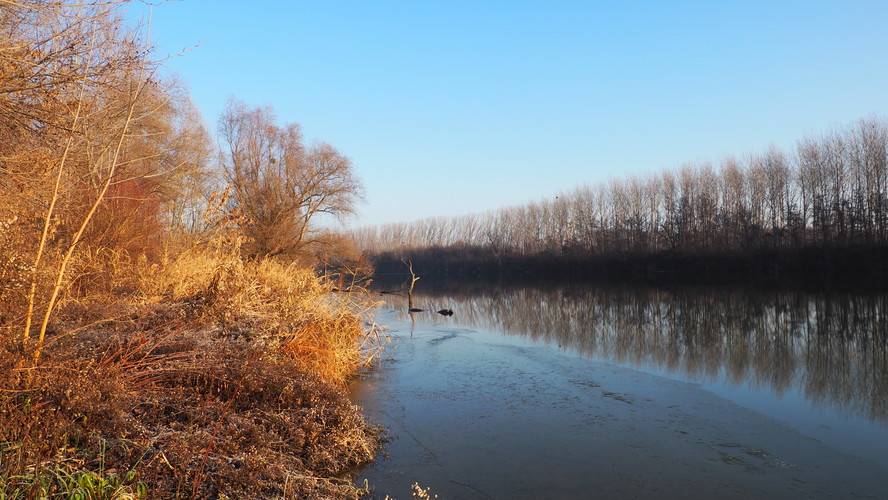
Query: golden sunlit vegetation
x=154, y=343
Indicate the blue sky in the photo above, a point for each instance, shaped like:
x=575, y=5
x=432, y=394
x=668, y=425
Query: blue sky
x=448, y=108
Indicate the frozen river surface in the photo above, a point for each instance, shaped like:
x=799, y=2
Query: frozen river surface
x=475, y=412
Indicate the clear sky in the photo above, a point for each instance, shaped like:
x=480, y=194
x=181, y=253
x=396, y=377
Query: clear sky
x=455, y=107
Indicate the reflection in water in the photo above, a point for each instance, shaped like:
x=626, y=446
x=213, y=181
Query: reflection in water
x=831, y=347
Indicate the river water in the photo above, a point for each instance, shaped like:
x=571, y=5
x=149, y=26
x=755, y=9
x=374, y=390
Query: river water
x=581, y=391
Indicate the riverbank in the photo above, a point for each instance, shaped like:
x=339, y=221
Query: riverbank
x=853, y=266
x=228, y=382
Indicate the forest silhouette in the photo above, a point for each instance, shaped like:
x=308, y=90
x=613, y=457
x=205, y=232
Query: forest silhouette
x=820, y=210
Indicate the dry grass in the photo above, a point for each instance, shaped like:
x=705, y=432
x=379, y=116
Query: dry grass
x=204, y=377
x=285, y=307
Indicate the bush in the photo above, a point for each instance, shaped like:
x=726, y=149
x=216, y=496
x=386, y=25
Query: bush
x=220, y=377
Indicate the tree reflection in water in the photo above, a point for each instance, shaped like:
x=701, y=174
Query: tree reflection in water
x=831, y=347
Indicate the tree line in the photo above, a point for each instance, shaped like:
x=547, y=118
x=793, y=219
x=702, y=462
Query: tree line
x=831, y=192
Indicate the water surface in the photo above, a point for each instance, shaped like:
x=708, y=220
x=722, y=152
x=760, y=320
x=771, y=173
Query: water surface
x=578, y=391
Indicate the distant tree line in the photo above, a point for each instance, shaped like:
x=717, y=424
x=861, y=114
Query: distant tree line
x=831, y=193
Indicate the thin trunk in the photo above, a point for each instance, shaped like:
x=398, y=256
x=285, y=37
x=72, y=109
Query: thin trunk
x=26, y=334
x=60, y=276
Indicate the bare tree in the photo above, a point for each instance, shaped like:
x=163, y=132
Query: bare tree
x=77, y=82
x=734, y=208
x=278, y=183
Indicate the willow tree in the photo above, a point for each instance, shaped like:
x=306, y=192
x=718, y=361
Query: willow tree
x=278, y=184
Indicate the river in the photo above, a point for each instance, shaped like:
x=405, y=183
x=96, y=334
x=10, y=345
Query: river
x=582, y=391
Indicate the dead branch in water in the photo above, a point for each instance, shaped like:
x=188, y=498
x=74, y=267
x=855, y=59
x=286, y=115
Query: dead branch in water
x=413, y=279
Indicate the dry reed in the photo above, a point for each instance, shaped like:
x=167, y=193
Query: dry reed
x=203, y=376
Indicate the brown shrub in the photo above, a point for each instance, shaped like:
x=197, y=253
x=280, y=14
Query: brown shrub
x=219, y=377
